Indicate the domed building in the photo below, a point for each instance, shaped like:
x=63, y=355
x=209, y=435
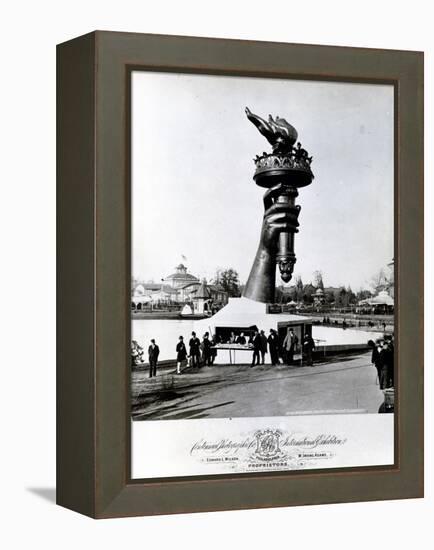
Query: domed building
x=181, y=288
x=180, y=278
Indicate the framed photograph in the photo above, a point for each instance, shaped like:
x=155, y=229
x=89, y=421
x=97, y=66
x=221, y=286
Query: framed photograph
x=240, y=274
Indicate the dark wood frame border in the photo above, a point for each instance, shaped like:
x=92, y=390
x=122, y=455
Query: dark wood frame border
x=93, y=430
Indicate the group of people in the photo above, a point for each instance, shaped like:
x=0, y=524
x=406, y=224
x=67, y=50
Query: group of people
x=337, y=322
x=355, y=323
x=262, y=345
x=383, y=360
x=203, y=352
x=198, y=354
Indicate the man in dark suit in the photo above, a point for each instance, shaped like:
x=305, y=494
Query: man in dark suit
x=153, y=353
x=264, y=346
x=308, y=347
x=241, y=339
x=256, y=349
x=206, y=347
x=194, y=345
x=273, y=346
x=386, y=364
x=375, y=357
x=390, y=361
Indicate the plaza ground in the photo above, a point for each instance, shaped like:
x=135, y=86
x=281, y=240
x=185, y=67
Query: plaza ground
x=338, y=384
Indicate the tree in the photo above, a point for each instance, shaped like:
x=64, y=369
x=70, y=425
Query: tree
x=329, y=296
x=308, y=292
x=228, y=280
x=299, y=288
x=351, y=296
x=341, y=297
x=363, y=295
x=317, y=278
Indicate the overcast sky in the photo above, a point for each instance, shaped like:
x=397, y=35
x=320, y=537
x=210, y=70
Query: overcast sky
x=192, y=187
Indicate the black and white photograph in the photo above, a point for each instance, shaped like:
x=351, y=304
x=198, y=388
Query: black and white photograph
x=262, y=292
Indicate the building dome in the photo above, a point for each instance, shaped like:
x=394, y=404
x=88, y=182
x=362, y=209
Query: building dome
x=180, y=278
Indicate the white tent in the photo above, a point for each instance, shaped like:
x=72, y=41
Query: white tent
x=382, y=299
x=187, y=310
x=244, y=313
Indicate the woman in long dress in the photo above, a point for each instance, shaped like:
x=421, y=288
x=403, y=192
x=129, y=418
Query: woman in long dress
x=181, y=354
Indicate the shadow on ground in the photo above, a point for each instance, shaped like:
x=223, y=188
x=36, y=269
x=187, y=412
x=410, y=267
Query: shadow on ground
x=46, y=493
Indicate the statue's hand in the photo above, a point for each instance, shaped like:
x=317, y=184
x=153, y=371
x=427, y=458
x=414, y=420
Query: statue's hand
x=278, y=218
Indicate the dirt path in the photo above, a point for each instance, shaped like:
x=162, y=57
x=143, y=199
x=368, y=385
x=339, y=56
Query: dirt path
x=236, y=391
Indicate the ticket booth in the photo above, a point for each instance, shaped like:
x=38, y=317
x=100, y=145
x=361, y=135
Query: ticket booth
x=300, y=328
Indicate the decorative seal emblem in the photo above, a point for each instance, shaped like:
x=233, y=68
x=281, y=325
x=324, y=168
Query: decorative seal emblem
x=267, y=445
